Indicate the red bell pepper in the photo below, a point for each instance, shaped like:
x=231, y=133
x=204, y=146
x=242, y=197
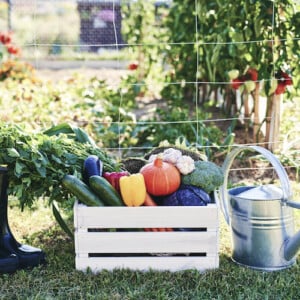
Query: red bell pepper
x=114, y=177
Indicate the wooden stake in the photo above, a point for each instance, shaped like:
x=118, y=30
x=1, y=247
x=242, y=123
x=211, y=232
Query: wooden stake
x=275, y=122
x=268, y=119
x=245, y=97
x=256, y=114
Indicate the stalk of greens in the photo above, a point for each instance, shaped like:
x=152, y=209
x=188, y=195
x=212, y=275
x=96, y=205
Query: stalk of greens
x=37, y=162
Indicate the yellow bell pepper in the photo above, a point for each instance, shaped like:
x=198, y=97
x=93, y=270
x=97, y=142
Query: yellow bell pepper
x=133, y=189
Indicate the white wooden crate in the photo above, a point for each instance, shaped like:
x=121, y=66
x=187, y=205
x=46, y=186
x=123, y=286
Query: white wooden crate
x=97, y=248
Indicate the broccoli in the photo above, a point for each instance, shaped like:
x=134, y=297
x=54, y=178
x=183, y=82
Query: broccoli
x=206, y=175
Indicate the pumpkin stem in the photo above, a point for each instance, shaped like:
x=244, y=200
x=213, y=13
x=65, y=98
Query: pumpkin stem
x=158, y=162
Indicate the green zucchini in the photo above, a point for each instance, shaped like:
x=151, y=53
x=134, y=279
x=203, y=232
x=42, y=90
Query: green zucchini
x=79, y=189
x=105, y=191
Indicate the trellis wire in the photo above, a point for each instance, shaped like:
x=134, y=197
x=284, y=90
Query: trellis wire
x=36, y=44
x=196, y=75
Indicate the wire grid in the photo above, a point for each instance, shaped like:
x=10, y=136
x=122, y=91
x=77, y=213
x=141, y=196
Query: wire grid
x=114, y=42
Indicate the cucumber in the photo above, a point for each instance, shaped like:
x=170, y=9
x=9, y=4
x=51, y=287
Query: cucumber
x=105, y=191
x=79, y=189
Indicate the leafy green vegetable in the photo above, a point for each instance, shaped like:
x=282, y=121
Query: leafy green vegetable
x=207, y=175
x=80, y=135
x=37, y=162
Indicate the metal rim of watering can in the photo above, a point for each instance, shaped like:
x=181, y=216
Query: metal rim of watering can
x=222, y=194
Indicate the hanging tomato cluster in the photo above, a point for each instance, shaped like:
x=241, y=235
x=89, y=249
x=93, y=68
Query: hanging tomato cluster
x=10, y=66
x=247, y=80
x=6, y=41
x=283, y=80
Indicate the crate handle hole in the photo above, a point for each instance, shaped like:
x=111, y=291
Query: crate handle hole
x=159, y=229
x=202, y=254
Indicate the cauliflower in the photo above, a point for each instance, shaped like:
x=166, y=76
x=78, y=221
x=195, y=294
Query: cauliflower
x=185, y=164
x=152, y=157
x=171, y=155
x=206, y=175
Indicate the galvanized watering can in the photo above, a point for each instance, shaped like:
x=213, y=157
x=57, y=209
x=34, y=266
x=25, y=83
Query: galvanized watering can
x=261, y=218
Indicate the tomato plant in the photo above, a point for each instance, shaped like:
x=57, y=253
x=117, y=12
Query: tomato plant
x=10, y=66
x=143, y=31
x=211, y=38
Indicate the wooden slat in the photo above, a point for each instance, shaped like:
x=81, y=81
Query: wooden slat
x=146, y=242
x=173, y=264
x=143, y=217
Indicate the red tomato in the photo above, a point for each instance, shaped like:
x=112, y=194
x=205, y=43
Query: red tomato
x=236, y=83
x=13, y=49
x=253, y=74
x=280, y=88
x=287, y=79
x=133, y=66
x=5, y=38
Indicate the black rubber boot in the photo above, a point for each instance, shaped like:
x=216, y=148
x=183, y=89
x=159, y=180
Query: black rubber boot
x=27, y=256
x=9, y=262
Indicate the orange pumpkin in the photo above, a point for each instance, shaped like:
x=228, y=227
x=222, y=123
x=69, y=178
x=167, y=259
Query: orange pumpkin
x=161, y=178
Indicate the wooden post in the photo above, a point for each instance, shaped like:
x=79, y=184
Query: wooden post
x=9, y=9
x=245, y=97
x=268, y=120
x=275, y=122
x=256, y=120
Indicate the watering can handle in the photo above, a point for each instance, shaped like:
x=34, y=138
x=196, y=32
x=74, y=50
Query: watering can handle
x=222, y=197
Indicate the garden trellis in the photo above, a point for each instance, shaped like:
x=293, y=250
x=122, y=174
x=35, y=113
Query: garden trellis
x=194, y=63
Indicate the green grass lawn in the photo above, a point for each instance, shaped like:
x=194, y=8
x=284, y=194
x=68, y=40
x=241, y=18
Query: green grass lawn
x=59, y=279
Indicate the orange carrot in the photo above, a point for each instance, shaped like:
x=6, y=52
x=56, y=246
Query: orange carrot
x=149, y=201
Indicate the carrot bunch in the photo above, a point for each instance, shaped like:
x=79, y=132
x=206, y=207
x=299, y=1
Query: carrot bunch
x=150, y=202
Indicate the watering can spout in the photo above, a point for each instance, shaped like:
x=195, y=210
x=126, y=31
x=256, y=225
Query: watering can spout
x=292, y=246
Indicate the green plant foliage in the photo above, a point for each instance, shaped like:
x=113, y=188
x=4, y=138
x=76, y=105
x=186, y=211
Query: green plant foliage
x=228, y=35
x=37, y=162
x=142, y=29
x=169, y=124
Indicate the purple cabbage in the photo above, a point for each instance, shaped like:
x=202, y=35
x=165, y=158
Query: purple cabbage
x=187, y=195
